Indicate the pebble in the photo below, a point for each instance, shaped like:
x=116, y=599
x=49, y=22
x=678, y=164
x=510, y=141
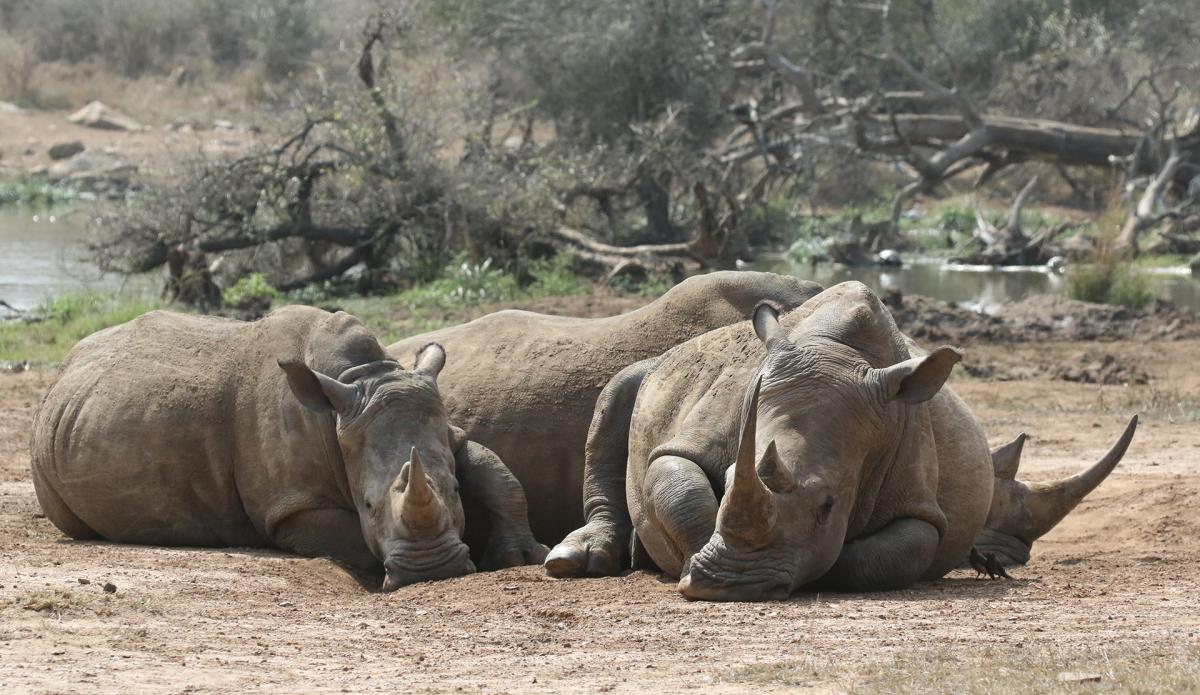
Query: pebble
x=110, y=588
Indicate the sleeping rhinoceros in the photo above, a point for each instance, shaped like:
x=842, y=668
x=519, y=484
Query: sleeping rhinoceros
x=296, y=431
x=525, y=386
x=849, y=466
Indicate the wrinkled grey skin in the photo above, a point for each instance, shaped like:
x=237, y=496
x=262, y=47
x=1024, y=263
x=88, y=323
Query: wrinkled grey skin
x=850, y=467
x=525, y=385
x=296, y=431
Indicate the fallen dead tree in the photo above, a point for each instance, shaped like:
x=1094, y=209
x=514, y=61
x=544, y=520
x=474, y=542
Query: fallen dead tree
x=935, y=132
x=1009, y=244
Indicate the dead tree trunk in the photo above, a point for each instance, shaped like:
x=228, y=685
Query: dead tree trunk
x=1010, y=245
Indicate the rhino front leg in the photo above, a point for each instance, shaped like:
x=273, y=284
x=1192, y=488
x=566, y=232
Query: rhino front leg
x=486, y=482
x=892, y=558
x=680, y=513
x=599, y=547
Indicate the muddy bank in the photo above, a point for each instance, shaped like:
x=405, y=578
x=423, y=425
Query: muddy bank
x=1037, y=319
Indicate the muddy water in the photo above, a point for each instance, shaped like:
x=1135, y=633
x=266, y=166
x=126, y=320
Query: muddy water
x=979, y=286
x=42, y=254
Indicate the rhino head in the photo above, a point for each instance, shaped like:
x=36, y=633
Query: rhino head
x=394, y=438
x=829, y=403
x=1021, y=512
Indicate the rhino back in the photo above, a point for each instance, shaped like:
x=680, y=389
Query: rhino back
x=525, y=385
x=158, y=430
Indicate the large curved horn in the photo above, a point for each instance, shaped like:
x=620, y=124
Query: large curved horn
x=1048, y=503
x=748, y=511
x=419, y=507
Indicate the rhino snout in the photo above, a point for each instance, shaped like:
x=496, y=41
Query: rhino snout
x=712, y=577
x=410, y=563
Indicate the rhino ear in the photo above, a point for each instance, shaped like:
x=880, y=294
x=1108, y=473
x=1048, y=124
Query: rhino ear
x=316, y=391
x=919, y=379
x=766, y=322
x=430, y=360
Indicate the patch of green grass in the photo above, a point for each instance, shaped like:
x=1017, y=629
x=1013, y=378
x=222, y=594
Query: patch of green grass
x=35, y=193
x=1108, y=282
x=458, y=295
x=67, y=319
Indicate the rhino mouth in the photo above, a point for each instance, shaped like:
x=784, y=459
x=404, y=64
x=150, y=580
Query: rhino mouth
x=443, y=558
x=1008, y=549
x=719, y=578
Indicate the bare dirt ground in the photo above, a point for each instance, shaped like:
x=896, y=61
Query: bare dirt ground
x=26, y=136
x=1110, y=593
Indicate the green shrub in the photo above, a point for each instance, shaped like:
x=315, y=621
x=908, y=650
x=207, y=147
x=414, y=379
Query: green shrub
x=652, y=287
x=1108, y=282
x=466, y=283
x=554, y=277
x=955, y=219
x=250, y=290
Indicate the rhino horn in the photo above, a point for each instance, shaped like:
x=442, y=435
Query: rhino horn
x=1006, y=459
x=1048, y=503
x=748, y=512
x=419, y=507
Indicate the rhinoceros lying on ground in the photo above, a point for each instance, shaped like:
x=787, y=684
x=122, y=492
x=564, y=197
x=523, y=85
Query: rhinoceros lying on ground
x=525, y=386
x=850, y=467
x=295, y=431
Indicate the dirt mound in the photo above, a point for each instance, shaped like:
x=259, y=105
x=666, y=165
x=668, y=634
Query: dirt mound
x=1101, y=368
x=1086, y=367
x=1039, y=318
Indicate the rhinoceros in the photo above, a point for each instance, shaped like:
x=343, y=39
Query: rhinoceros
x=296, y=431
x=820, y=450
x=525, y=385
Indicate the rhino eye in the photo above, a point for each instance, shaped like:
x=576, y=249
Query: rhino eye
x=825, y=509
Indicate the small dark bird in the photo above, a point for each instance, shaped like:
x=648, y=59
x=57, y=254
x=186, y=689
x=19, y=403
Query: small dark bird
x=994, y=568
x=978, y=563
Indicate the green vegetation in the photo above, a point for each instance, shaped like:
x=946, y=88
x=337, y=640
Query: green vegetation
x=252, y=290
x=1108, y=280
x=465, y=290
x=40, y=194
x=67, y=319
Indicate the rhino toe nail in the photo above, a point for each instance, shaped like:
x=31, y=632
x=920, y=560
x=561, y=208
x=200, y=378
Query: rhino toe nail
x=566, y=562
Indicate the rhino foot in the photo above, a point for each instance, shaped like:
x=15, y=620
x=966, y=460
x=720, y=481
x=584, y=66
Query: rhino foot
x=513, y=552
x=592, y=551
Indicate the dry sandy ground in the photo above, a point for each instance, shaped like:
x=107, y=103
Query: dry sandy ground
x=26, y=137
x=1111, y=593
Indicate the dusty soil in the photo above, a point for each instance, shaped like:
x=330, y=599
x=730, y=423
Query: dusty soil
x=1110, y=593
x=26, y=137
